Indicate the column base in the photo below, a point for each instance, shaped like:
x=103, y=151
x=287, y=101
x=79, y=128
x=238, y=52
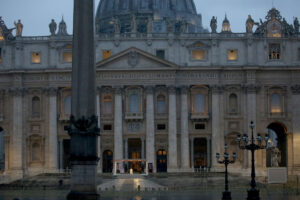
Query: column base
x=253, y=194
x=83, y=196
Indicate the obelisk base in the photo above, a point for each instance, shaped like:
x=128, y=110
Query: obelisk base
x=83, y=181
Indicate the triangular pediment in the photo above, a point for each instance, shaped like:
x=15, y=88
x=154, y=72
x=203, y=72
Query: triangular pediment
x=134, y=59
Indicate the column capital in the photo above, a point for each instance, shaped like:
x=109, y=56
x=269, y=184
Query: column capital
x=172, y=89
x=18, y=91
x=251, y=88
x=118, y=90
x=51, y=91
x=149, y=89
x=217, y=89
x=184, y=89
x=295, y=89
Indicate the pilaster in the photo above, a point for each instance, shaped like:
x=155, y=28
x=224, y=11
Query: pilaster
x=184, y=128
x=118, y=125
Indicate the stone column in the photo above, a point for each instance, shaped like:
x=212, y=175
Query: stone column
x=192, y=152
x=172, y=154
x=217, y=131
x=53, y=153
x=98, y=112
x=61, y=155
x=184, y=129
x=150, y=135
x=118, y=125
x=296, y=125
x=16, y=147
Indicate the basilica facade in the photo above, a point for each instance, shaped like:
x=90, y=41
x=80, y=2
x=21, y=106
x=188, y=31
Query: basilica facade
x=169, y=91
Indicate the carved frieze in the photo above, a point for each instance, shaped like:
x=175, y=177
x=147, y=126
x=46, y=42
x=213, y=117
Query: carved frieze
x=18, y=91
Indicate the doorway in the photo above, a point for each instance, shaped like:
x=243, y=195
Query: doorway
x=66, y=156
x=200, y=152
x=2, y=150
x=107, y=161
x=134, y=153
x=161, y=160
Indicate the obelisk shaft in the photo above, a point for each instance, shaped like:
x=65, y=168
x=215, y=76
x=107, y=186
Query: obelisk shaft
x=83, y=71
x=83, y=127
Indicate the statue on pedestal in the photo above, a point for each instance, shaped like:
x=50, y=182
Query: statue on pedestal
x=183, y=26
x=19, y=28
x=52, y=27
x=169, y=25
x=62, y=30
x=213, y=24
x=276, y=157
x=249, y=24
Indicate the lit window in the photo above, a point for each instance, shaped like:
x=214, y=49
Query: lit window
x=36, y=57
x=0, y=55
x=1, y=35
x=107, y=104
x=67, y=105
x=274, y=52
x=106, y=54
x=233, y=103
x=161, y=104
x=199, y=103
x=232, y=54
x=198, y=54
x=275, y=103
x=134, y=103
x=67, y=57
x=36, y=106
x=160, y=54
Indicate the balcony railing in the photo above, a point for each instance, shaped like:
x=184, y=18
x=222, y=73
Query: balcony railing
x=134, y=116
x=199, y=116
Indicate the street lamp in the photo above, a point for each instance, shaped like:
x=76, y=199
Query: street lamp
x=252, y=145
x=226, y=161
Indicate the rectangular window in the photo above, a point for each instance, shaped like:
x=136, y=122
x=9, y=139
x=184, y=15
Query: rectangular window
x=107, y=127
x=0, y=55
x=199, y=126
x=274, y=52
x=36, y=57
x=232, y=54
x=160, y=54
x=67, y=57
x=161, y=127
x=1, y=35
x=106, y=54
x=198, y=54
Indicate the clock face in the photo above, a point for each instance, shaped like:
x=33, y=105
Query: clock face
x=274, y=28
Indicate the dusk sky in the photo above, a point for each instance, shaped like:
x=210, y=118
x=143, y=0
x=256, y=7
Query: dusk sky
x=37, y=14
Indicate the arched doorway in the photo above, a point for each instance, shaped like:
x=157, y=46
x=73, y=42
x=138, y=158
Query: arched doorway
x=161, y=160
x=277, y=145
x=2, y=150
x=200, y=152
x=107, y=161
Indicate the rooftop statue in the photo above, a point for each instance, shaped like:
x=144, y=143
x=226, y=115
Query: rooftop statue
x=133, y=24
x=19, y=27
x=249, y=24
x=214, y=24
x=296, y=25
x=117, y=25
x=6, y=33
x=62, y=28
x=52, y=27
x=183, y=26
x=149, y=24
x=170, y=25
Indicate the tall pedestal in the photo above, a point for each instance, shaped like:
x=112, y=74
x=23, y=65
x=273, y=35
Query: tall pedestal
x=84, y=124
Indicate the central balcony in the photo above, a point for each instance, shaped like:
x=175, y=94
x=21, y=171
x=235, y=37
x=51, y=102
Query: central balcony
x=134, y=116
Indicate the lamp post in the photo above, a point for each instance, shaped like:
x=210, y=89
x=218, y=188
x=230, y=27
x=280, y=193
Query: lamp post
x=252, y=145
x=226, y=161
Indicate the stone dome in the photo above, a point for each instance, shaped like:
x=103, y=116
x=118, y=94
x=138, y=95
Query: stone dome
x=165, y=15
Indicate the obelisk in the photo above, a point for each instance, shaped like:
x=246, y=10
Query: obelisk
x=83, y=127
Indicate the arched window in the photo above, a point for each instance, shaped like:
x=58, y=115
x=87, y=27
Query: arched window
x=36, y=107
x=67, y=105
x=35, y=156
x=275, y=103
x=199, y=103
x=233, y=103
x=107, y=104
x=161, y=104
x=134, y=103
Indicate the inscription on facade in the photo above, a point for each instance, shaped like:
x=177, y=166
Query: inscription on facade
x=134, y=127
